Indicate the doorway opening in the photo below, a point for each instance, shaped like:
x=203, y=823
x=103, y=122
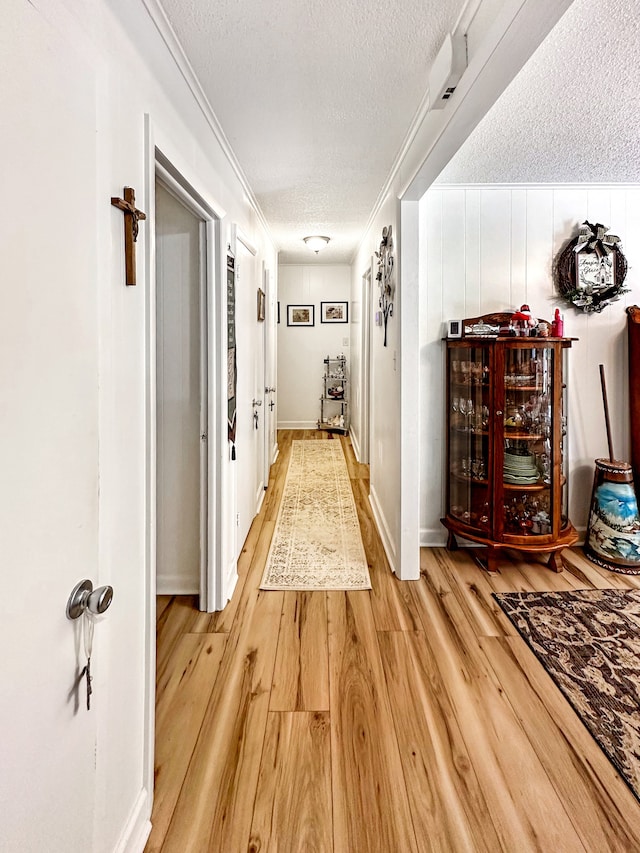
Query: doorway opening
x=182, y=424
x=202, y=255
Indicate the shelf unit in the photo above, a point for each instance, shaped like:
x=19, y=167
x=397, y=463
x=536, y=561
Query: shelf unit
x=506, y=475
x=334, y=402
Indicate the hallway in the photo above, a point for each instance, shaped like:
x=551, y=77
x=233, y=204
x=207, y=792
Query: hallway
x=408, y=718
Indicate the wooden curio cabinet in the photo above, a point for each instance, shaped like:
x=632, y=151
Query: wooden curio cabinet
x=506, y=432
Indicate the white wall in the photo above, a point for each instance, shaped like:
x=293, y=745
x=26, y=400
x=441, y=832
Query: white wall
x=73, y=398
x=491, y=248
x=302, y=349
x=384, y=430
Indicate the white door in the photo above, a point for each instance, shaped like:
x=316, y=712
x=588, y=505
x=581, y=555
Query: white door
x=250, y=392
x=269, y=366
x=181, y=398
x=49, y=450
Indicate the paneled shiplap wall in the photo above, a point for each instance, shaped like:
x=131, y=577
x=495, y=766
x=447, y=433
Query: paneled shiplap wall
x=491, y=248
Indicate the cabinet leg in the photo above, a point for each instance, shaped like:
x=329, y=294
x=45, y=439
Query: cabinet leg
x=452, y=542
x=492, y=560
x=555, y=561
x=486, y=558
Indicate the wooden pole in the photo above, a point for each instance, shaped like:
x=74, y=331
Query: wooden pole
x=633, y=327
x=606, y=413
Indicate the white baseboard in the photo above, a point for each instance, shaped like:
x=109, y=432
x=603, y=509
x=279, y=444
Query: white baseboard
x=275, y=453
x=137, y=829
x=433, y=537
x=383, y=530
x=260, y=499
x=230, y=583
x=355, y=443
x=297, y=424
x=176, y=585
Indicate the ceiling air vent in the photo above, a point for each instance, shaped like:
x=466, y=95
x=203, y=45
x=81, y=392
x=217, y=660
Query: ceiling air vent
x=446, y=71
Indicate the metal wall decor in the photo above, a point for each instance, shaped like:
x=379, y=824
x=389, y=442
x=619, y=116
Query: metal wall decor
x=386, y=276
x=590, y=269
x=232, y=368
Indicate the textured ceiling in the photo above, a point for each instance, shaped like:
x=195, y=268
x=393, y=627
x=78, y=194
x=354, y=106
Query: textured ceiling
x=572, y=114
x=315, y=100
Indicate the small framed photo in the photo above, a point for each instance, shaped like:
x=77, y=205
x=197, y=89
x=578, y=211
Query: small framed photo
x=334, y=312
x=300, y=315
x=260, y=304
x=455, y=329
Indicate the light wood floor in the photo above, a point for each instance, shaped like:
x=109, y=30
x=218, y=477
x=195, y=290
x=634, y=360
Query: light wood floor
x=408, y=718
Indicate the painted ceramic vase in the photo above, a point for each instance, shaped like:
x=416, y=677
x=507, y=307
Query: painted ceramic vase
x=613, y=535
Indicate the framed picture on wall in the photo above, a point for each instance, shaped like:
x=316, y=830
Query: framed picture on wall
x=334, y=312
x=260, y=304
x=300, y=315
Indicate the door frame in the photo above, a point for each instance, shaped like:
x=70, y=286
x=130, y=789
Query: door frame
x=173, y=188
x=161, y=160
x=174, y=182
x=269, y=376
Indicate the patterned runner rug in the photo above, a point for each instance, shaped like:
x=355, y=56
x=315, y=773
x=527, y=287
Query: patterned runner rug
x=589, y=642
x=316, y=543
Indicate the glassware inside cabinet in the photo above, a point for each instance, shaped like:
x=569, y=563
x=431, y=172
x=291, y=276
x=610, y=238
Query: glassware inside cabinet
x=469, y=418
x=528, y=441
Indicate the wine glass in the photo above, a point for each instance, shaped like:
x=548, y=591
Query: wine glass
x=463, y=406
x=470, y=413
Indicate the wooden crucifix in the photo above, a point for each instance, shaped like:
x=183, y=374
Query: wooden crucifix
x=131, y=218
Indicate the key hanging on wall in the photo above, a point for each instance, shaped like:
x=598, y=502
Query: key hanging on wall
x=88, y=625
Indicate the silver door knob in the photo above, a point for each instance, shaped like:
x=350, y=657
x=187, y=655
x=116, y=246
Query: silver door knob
x=100, y=599
x=269, y=390
x=257, y=403
x=84, y=596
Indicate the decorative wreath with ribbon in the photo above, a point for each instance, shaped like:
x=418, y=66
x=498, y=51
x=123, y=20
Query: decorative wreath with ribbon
x=590, y=270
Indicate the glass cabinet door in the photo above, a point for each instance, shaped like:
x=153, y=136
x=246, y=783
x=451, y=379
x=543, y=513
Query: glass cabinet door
x=528, y=464
x=469, y=390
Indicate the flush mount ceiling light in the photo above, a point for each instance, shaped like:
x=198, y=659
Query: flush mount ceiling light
x=316, y=243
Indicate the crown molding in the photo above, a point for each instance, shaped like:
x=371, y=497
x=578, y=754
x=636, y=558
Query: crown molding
x=173, y=45
x=536, y=185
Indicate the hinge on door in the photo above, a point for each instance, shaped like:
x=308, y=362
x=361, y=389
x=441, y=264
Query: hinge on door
x=203, y=437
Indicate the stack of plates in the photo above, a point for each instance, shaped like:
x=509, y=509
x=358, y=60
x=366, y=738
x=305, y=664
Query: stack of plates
x=520, y=469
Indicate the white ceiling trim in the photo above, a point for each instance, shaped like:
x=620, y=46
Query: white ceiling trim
x=241, y=237
x=566, y=185
x=163, y=25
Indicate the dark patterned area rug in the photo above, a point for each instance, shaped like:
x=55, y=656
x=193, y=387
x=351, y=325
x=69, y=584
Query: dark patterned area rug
x=589, y=642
